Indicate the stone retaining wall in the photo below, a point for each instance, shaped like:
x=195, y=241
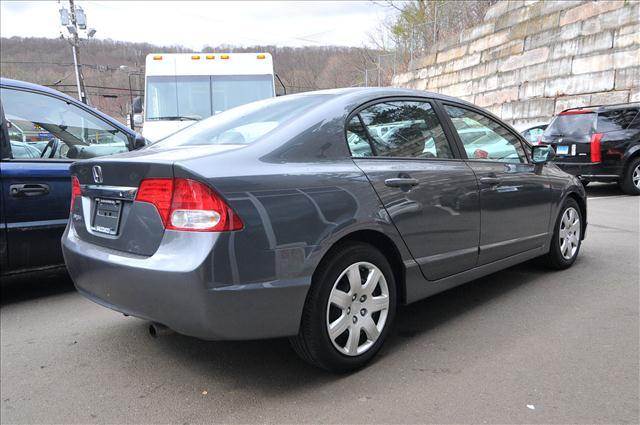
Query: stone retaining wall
x=531, y=59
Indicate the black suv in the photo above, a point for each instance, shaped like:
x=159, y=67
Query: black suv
x=599, y=143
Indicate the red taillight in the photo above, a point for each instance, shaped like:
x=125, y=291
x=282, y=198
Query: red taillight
x=186, y=204
x=157, y=192
x=75, y=191
x=596, y=155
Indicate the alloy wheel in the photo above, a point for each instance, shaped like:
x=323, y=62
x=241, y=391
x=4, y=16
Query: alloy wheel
x=569, y=233
x=357, y=308
x=635, y=177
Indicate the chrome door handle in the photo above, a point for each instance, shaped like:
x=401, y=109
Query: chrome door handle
x=401, y=182
x=490, y=181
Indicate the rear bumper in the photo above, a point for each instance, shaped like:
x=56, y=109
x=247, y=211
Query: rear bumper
x=590, y=171
x=179, y=293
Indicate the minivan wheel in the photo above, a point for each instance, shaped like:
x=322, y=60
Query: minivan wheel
x=349, y=309
x=567, y=237
x=630, y=181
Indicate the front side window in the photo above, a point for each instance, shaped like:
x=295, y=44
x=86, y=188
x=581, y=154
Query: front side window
x=46, y=127
x=484, y=138
x=401, y=129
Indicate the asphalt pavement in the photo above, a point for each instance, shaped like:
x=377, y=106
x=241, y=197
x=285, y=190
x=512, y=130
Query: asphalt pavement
x=525, y=345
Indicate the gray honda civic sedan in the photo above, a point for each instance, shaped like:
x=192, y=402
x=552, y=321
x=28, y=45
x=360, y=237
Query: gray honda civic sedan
x=315, y=216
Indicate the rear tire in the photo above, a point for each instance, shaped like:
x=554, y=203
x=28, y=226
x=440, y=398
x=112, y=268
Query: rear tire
x=567, y=237
x=349, y=310
x=630, y=181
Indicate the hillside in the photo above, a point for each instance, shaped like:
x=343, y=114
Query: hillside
x=49, y=62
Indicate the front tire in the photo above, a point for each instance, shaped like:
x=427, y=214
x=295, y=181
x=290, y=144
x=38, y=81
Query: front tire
x=630, y=181
x=349, y=310
x=567, y=237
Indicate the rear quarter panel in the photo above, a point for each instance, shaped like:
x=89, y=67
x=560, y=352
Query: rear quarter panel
x=292, y=215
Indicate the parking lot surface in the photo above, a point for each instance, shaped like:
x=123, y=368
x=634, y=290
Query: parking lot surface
x=525, y=345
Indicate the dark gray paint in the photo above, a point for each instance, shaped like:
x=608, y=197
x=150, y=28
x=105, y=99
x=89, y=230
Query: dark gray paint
x=298, y=193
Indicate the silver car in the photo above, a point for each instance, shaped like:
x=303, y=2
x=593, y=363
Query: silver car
x=315, y=216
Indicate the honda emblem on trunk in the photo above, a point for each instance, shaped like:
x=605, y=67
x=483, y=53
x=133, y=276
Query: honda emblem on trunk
x=97, y=174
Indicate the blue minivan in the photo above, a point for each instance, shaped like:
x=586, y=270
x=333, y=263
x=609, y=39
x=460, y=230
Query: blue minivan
x=43, y=131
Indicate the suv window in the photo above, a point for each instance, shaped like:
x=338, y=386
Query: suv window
x=484, y=138
x=618, y=119
x=45, y=127
x=400, y=129
x=572, y=124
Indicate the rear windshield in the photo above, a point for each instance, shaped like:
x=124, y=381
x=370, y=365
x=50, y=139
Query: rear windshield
x=245, y=124
x=571, y=125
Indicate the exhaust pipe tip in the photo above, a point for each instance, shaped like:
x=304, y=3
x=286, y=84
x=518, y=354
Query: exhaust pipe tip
x=157, y=330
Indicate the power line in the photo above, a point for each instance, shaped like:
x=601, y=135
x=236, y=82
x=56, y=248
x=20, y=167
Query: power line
x=95, y=87
x=88, y=65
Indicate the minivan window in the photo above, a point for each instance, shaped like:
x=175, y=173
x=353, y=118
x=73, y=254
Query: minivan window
x=57, y=129
x=572, y=125
x=242, y=125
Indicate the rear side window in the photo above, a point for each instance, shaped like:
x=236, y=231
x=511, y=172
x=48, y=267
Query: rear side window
x=615, y=120
x=579, y=124
x=399, y=129
x=357, y=138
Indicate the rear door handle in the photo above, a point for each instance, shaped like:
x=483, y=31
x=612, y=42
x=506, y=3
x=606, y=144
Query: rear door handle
x=491, y=181
x=28, y=189
x=401, y=182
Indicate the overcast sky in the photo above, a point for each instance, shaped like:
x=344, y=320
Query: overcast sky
x=198, y=24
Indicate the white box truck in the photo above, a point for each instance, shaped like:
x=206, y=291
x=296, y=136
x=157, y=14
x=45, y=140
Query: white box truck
x=182, y=88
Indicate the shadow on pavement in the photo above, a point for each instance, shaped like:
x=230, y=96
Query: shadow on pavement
x=34, y=285
x=600, y=190
x=271, y=366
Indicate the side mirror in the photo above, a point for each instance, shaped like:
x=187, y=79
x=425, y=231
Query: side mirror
x=139, y=142
x=137, y=105
x=542, y=153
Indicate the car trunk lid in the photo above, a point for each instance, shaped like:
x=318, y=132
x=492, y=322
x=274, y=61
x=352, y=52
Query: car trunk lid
x=107, y=215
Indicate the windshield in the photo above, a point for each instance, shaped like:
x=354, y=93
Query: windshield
x=198, y=97
x=243, y=125
x=571, y=125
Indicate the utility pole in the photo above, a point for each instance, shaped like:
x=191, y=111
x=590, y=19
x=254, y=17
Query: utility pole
x=75, y=45
x=74, y=20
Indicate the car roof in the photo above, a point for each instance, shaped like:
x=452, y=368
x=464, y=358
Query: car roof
x=7, y=82
x=604, y=108
x=371, y=93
